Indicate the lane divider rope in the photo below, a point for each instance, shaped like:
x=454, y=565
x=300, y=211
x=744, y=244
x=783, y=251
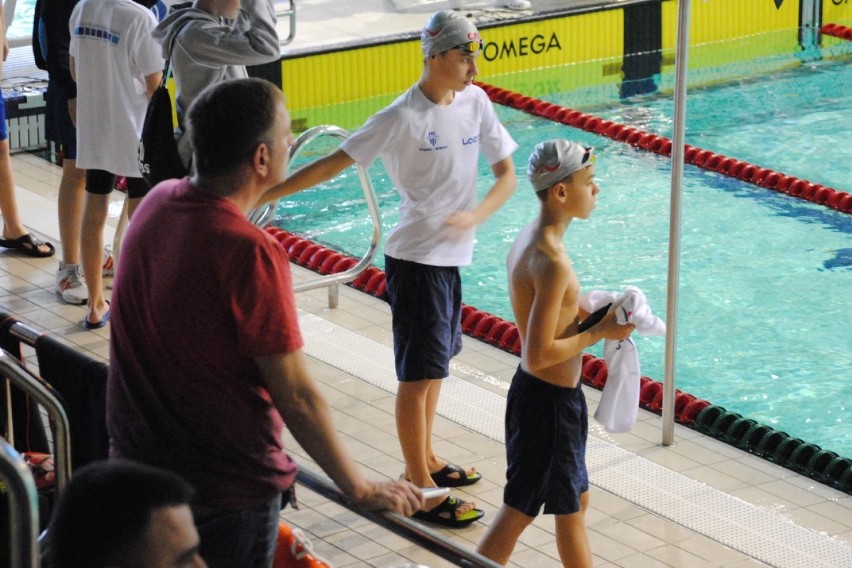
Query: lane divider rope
x=706, y=159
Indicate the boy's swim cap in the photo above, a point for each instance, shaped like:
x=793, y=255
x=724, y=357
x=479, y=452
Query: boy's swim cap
x=555, y=160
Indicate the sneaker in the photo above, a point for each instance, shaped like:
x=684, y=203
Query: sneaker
x=109, y=262
x=71, y=284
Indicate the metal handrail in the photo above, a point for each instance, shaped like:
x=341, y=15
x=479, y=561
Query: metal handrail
x=262, y=215
x=23, y=508
x=44, y=394
x=291, y=12
x=411, y=530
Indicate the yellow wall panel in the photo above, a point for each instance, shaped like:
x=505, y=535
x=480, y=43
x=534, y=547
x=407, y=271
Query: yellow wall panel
x=837, y=12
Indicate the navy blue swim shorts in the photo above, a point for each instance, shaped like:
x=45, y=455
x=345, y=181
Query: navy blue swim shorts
x=546, y=430
x=3, y=132
x=426, y=305
x=57, y=125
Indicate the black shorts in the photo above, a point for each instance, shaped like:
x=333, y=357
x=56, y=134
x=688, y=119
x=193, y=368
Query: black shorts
x=426, y=305
x=100, y=182
x=546, y=430
x=57, y=125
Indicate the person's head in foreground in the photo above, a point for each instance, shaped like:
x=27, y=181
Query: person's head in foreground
x=237, y=127
x=123, y=514
x=451, y=44
x=565, y=172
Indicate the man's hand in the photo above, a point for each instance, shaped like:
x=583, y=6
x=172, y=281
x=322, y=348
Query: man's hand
x=72, y=110
x=398, y=496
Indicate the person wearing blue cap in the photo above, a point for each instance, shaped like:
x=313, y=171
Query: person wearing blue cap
x=430, y=140
x=546, y=414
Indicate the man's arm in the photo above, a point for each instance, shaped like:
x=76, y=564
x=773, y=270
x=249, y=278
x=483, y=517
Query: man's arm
x=306, y=413
x=308, y=176
x=504, y=186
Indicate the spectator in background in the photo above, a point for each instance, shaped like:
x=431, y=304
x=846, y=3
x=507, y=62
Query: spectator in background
x=121, y=513
x=117, y=67
x=212, y=41
x=206, y=361
x=50, y=45
x=14, y=236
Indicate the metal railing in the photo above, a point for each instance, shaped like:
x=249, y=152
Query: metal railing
x=23, y=508
x=410, y=530
x=291, y=14
x=24, y=549
x=264, y=214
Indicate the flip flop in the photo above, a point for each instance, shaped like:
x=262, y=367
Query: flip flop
x=444, y=478
x=28, y=245
x=444, y=514
x=97, y=324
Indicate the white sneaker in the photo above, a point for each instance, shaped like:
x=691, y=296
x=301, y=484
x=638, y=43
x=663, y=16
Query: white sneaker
x=71, y=284
x=109, y=262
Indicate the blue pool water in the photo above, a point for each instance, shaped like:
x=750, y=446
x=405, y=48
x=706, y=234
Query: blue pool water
x=765, y=278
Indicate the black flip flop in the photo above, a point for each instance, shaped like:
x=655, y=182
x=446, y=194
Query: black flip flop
x=28, y=245
x=444, y=477
x=444, y=514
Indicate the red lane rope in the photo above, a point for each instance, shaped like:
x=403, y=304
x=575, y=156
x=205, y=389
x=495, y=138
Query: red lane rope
x=751, y=173
x=837, y=30
x=478, y=324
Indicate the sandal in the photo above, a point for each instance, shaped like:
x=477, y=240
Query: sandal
x=445, y=477
x=444, y=514
x=28, y=245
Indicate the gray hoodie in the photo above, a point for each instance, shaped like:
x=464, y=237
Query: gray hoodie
x=208, y=50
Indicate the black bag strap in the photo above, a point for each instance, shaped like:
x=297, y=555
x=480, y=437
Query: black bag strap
x=165, y=77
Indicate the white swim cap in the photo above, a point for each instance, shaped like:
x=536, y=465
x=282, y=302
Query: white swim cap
x=448, y=29
x=555, y=160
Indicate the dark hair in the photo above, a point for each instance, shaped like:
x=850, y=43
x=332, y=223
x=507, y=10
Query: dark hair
x=104, y=510
x=228, y=121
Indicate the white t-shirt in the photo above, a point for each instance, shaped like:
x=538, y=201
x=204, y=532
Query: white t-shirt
x=113, y=53
x=431, y=153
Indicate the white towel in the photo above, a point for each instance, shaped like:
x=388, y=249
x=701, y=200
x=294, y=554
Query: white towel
x=619, y=403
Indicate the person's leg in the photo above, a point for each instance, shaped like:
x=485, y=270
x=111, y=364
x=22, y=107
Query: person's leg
x=70, y=207
x=572, y=537
x=12, y=227
x=232, y=538
x=98, y=187
x=502, y=536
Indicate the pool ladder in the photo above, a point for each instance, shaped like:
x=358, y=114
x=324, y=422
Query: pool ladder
x=265, y=213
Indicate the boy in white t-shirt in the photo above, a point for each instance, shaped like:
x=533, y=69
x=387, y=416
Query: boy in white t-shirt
x=117, y=66
x=430, y=140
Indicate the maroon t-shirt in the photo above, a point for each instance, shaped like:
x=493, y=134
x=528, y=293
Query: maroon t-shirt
x=199, y=292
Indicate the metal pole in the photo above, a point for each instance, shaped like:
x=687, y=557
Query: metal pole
x=678, y=152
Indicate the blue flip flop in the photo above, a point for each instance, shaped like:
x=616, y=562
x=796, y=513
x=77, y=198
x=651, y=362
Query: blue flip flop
x=97, y=324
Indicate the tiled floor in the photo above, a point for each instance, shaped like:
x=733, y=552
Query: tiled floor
x=695, y=504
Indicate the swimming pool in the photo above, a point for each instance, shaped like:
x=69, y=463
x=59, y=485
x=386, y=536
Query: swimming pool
x=765, y=278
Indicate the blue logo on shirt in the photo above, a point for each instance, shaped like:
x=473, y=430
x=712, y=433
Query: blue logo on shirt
x=471, y=140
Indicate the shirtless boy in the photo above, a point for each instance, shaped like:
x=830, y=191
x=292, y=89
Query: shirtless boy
x=546, y=415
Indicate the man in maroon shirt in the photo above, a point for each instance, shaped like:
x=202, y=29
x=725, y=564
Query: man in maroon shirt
x=206, y=355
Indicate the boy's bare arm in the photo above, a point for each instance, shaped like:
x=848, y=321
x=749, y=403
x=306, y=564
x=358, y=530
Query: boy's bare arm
x=545, y=345
x=504, y=186
x=308, y=176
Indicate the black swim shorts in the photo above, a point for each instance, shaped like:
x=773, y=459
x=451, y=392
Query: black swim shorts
x=426, y=305
x=546, y=430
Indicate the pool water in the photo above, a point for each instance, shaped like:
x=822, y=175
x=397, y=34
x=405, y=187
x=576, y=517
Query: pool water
x=765, y=278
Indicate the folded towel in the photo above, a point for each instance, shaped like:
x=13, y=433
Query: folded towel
x=619, y=404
